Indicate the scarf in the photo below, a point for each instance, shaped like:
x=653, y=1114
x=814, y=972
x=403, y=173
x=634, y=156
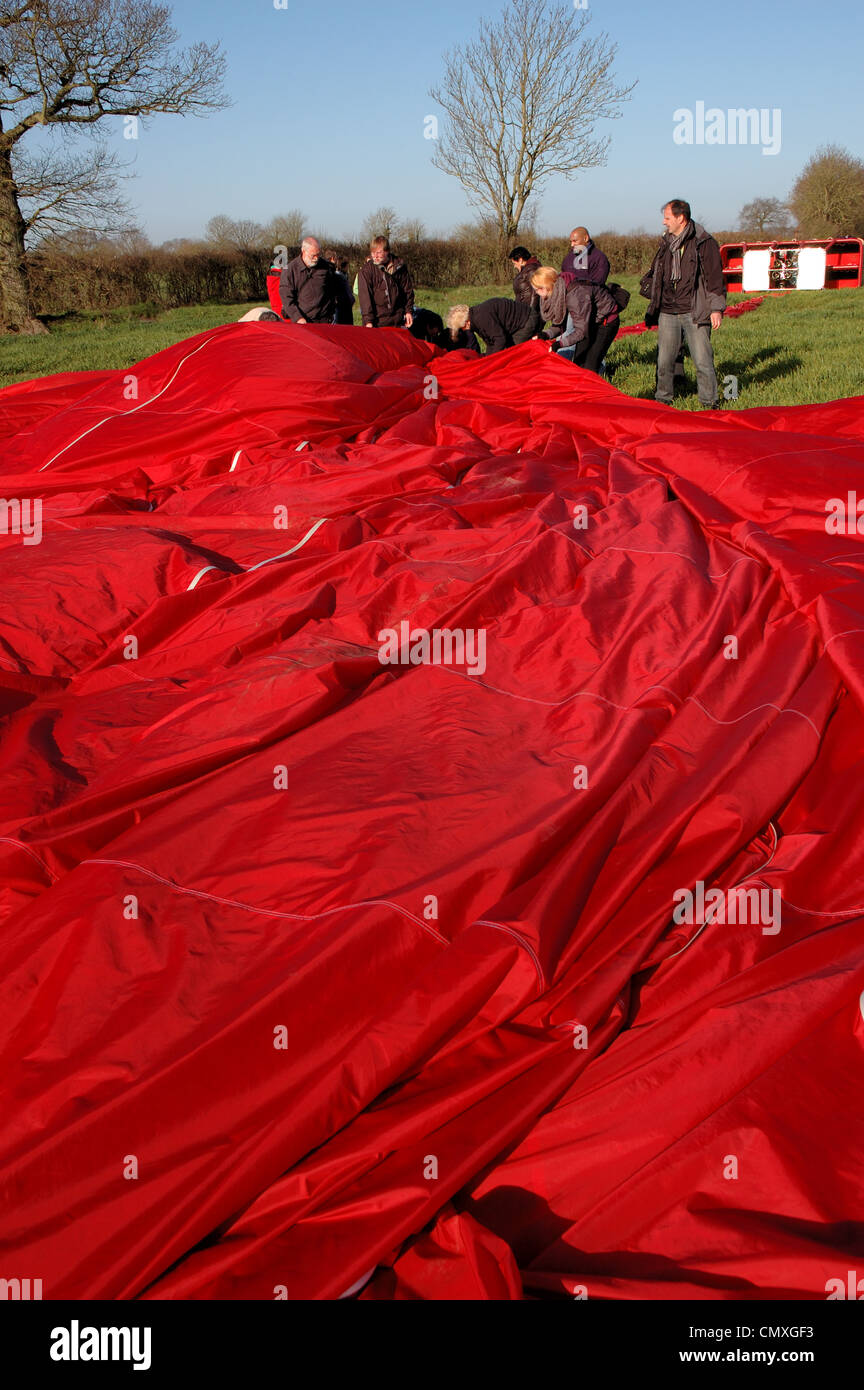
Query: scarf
x=674, y=245
x=554, y=308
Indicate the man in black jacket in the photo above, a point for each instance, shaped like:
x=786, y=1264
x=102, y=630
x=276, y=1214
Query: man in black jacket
x=385, y=288
x=310, y=289
x=344, y=311
x=524, y=264
x=686, y=296
x=501, y=323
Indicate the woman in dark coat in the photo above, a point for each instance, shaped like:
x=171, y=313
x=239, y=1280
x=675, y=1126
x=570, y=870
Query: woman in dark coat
x=593, y=311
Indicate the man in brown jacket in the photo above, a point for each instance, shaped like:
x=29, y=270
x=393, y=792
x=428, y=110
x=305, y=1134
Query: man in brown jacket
x=385, y=288
x=686, y=296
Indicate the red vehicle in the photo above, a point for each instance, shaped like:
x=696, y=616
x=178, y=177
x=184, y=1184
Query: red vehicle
x=833, y=263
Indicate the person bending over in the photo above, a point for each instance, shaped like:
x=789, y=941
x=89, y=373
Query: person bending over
x=458, y=332
x=501, y=323
x=594, y=315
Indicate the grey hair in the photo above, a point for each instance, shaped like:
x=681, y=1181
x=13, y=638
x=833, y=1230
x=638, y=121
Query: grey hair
x=457, y=317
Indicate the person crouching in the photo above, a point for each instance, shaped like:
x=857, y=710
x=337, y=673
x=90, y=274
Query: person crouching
x=594, y=312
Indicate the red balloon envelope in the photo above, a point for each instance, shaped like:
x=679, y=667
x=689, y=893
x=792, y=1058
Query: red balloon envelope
x=430, y=830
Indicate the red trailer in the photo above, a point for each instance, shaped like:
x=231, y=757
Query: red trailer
x=834, y=263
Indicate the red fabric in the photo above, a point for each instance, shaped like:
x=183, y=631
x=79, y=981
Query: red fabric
x=273, y=291
x=733, y=311
x=458, y=1259
x=252, y=825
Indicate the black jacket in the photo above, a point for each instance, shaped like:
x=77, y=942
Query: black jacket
x=502, y=323
x=345, y=309
x=314, y=293
x=522, y=287
x=700, y=266
x=386, y=293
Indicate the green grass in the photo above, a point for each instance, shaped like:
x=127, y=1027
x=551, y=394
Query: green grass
x=793, y=349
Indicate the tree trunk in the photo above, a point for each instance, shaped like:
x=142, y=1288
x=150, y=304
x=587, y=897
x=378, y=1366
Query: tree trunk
x=16, y=308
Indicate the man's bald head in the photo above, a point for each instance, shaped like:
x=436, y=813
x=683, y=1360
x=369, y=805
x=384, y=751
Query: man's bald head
x=579, y=236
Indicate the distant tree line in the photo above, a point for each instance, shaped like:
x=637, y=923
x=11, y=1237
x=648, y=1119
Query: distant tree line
x=89, y=273
x=827, y=199
x=79, y=270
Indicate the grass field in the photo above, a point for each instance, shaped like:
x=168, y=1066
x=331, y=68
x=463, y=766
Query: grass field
x=793, y=349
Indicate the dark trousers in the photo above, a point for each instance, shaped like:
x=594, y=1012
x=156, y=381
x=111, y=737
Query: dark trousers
x=603, y=335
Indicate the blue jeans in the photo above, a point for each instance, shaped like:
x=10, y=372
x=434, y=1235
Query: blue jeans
x=567, y=353
x=669, y=331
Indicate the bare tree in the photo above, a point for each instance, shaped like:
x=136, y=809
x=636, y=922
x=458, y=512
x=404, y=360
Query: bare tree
x=286, y=228
x=228, y=234
x=522, y=101
x=762, y=216
x=382, y=222
x=71, y=63
x=218, y=231
x=184, y=246
x=828, y=197
x=58, y=190
x=412, y=229
x=249, y=235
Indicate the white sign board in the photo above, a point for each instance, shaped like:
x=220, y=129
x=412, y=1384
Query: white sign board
x=799, y=269
x=811, y=268
x=755, y=270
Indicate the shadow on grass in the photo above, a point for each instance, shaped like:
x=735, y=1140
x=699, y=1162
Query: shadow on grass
x=766, y=364
x=52, y=320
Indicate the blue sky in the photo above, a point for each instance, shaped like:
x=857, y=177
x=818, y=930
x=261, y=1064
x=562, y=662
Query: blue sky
x=329, y=105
